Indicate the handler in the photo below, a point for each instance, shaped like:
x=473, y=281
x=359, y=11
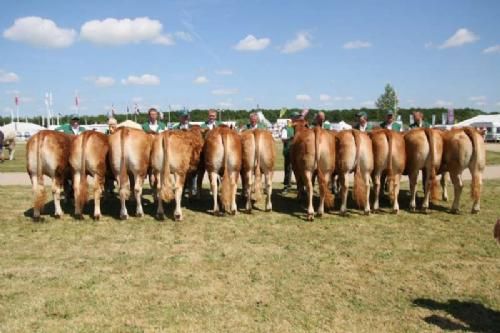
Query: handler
x=73, y=127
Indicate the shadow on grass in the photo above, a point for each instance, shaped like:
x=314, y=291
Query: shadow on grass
x=473, y=317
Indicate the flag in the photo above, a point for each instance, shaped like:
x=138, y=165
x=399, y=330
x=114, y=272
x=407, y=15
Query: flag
x=112, y=111
x=77, y=101
x=50, y=99
x=128, y=110
x=16, y=100
x=136, y=109
x=47, y=100
x=282, y=112
x=304, y=112
x=161, y=115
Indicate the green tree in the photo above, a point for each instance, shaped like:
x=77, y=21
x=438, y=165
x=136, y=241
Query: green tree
x=388, y=100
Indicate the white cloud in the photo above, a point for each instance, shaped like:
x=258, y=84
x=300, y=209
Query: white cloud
x=477, y=98
x=224, y=72
x=224, y=91
x=143, y=80
x=103, y=81
x=492, y=49
x=200, y=80
x=461, y=37
x=182, y=35
x=40, y=32
x=113, y=31
x=302, y=97
x=343, y=98
x=442, y=103
x=251, y=43
x=165, y=39
x=249, y=99
x=12, y=92
x=498, y=104
x=137, y=99
x=428, y=45
x=302, y=41
x=324, y=97
x=8, y=77
x=367, y=104
x=356, y=44
x=225, y=104
x=481, y=103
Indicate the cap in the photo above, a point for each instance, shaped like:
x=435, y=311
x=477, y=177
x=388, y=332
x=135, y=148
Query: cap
x=295, y=115
x=389, y=113
x=75, y=117
x=112, y=121
x=184, y=114
x=361, y=114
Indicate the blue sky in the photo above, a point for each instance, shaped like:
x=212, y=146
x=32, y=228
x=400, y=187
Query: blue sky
x=237, y=54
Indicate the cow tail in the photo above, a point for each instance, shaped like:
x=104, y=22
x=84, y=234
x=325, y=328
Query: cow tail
x=258, y=176
x=167, y=193
x=39, y=188
x=359, y=186
x=433, y=182
x=83, y=191
x=225, y=192
x=476, y=180
x=390, y=170
x=123, y=177
x=323, y=185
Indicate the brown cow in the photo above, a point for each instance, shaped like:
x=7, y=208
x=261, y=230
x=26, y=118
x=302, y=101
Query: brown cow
x=424, y=151
x=129, y=156
x=389, y=158
x=354, y=154
x=222, y=153
x=177, y=153
x=47, y=153
x=464, y=148
x=89, y=152
x=258, y=156
x=313, y=151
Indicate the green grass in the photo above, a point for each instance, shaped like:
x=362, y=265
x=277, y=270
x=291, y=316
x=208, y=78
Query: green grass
x=492, y=157
x=260, y=272
x=19, y=162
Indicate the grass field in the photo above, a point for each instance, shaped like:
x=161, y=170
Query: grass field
x=268, y=272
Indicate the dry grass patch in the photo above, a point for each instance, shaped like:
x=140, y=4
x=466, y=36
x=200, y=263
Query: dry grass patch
x=259, y=272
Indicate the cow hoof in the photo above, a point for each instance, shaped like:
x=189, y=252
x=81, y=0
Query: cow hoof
x=178, y=217
x=233, y=212
x=310, y=217
x=217, y=213
x=320, y=215
x=79, y=216
x=413, y=209
x=57, y=216
x=268, y=210
x=123, y=217
x=160, y=217
x=97, y=217
x=367, y=213
x=445, y=199
x=474, y=211
x=139, y=215
x=455, y=211
x=343, y=213
x=37, y=219
x=425, y=210
x=395, y=211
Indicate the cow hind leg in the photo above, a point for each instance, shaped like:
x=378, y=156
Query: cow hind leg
x=309, y=191
x=179, y=189
x=344, y=188
x=397, y=184
x=367, y=193
x=98, y=189
x=443, y=187
x=269, y=190
x=376, y=191
x=413, y=178
x=247, y=186
x=57, y=187
x=234, y=188
x=213, y=187
x=38, y=198
x=476, y=184
x=160, y=213
x=139, y=181
x=77, y=190
x=458, y=185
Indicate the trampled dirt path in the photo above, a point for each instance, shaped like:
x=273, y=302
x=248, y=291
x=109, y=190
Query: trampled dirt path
x=21, y=178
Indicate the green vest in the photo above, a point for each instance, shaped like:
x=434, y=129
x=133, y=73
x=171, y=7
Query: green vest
x=161, y=127
x=178, y=126
x=357, y=126
x=259, y=125
x=205, y=124
x=324, y=126
x=424, y=124
x=290, y=132
x=396, y=127
x=66, y=128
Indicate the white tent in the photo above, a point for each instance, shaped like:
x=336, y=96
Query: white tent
x=340, y=126
x=491, y=122
x=23, y=130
